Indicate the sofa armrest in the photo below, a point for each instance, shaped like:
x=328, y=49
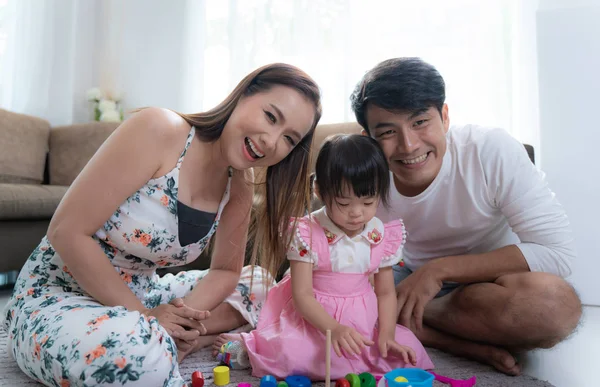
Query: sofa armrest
x=72, y=146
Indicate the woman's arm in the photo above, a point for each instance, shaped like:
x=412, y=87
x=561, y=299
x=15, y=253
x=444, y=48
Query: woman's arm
x=134, y=153
x=229, y=249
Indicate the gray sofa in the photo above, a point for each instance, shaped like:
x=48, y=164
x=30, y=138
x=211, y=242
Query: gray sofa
x=37, y=164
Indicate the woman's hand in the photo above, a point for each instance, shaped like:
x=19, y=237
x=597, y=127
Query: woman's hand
x=388, y=344
x=348, y=339
x=179, y=320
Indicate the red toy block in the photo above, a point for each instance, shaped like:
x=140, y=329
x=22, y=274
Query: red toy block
x=342, y=383
x=197, y=379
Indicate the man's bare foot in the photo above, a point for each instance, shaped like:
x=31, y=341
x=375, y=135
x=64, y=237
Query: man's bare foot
x=224, y=338
x=183, y=349
x=499, y=358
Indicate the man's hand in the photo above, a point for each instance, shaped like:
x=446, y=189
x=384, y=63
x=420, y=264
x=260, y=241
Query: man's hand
x=414, y=293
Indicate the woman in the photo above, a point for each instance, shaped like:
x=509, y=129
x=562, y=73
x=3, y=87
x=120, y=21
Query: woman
x=88, y=307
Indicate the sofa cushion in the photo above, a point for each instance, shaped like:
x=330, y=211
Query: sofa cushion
x=326, y=130
x=23, y=148
x=29, y=201
x=71, y=147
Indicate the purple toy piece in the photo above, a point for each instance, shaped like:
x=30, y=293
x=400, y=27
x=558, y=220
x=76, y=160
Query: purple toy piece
x=455, y=382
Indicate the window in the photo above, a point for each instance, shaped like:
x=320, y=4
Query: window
x=476, y=45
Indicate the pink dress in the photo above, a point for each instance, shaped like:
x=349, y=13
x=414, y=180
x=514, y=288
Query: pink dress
x=284, y=344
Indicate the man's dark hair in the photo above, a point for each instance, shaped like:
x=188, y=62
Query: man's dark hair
x=403, y=85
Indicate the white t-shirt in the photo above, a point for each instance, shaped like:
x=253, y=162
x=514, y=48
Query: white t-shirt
x=347, y=255
x=487, y=195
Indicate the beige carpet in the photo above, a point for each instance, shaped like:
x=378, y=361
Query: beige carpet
x=11, y=375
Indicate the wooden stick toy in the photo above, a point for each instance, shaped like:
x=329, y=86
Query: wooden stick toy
x=328, y=359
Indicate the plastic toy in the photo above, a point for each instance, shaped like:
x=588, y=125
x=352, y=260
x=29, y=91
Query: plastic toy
x=342, y=383
x=455, y=382
x=268, y=381
x=298, y=381
x=367, y=380
x=282, y=384
x=221, y=374
x=401, y=379
x=415, y=377
x=197, y=379
x=353, y=379
x=328, y=358
x=233, y=356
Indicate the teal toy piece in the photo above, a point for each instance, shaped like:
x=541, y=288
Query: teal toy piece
x=367, y=380
x=416, y=378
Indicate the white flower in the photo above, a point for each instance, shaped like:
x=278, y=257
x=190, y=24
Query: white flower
x=106, y=105
x=110, y=116
x=116, y=96
x=94, y=94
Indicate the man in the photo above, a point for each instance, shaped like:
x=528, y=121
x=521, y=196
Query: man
x=488, y=244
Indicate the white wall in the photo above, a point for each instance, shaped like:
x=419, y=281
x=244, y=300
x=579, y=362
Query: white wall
x=568, y=34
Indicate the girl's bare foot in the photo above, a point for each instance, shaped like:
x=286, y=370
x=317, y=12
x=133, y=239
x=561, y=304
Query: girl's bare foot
x=224, y=338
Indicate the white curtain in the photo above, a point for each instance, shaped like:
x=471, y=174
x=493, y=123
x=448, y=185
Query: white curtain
x=188, y=55
x=47, y=58
x=485, y=50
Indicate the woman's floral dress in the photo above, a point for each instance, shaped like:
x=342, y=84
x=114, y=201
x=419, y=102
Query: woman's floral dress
x=61, y=336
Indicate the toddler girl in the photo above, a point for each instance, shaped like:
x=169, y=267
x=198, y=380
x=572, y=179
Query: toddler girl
x=332, y=255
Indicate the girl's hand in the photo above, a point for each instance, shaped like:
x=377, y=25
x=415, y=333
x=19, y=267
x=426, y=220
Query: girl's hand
x=388, y=344
x=348, y=339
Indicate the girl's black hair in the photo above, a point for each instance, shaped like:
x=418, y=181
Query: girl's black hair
x=352, y=160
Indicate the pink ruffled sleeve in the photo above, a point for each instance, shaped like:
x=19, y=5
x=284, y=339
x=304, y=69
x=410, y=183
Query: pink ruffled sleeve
x=394, y=238
x=299, y=249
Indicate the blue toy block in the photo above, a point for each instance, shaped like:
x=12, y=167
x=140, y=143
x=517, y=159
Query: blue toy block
x=268, y=381
x=298, y=381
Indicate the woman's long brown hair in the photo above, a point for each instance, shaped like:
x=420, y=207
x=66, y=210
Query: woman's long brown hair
x=284, y=192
